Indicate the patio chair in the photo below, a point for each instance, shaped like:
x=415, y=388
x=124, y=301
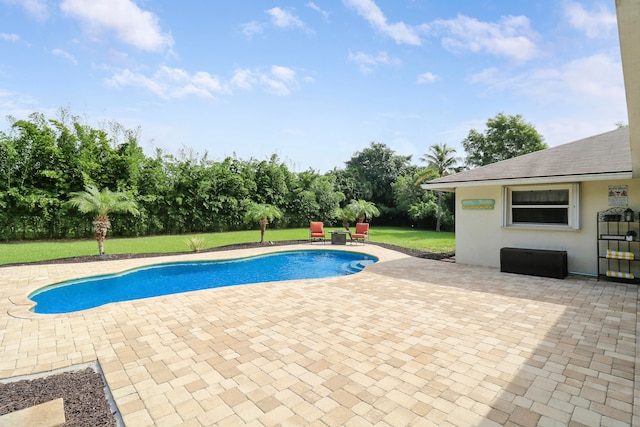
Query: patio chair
x=316, y=232
x=362, y=233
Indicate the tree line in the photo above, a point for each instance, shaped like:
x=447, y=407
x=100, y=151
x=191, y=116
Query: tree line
x=44, y=160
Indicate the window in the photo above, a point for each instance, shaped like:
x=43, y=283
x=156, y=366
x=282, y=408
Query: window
x=552, y=206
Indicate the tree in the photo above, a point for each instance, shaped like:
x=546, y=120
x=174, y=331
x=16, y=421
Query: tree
x=272, y=178
x=262, y=213
x=363, y=209
x=441, y=158
x=407, y=192
x=345, y=215
x=442, y=161
x=328, y=198
x=311, y=197
x=504, y=138
x=372, y=171
x=102, y=203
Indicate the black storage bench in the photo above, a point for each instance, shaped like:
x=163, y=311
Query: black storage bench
x=534, y=262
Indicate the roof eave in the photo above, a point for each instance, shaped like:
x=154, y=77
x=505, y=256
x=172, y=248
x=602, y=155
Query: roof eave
x=628, y=14
x=452, y=185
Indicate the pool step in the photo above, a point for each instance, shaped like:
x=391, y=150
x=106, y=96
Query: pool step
x=359, y=265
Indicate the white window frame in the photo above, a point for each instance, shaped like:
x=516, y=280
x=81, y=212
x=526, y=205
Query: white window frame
x=573, y=214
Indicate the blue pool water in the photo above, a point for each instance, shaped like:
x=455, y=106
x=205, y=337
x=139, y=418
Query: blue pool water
x=171, y=278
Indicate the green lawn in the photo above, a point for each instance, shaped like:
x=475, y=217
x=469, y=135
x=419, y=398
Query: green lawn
x=45, y=250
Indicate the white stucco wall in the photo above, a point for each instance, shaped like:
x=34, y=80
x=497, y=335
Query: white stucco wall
x=480, y=235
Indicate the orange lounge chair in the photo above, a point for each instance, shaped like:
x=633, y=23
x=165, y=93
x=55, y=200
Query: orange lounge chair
x=316, y=231
x=362, y=232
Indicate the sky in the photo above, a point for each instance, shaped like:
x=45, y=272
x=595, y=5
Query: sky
x=313, y=82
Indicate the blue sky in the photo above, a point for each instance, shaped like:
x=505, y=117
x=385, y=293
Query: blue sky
x=313, y=82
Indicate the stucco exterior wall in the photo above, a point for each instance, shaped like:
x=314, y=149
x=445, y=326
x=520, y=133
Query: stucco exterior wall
x=480, y=235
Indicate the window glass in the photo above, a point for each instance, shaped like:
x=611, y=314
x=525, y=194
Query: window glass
x=540, y=197
x=541, y=215
x=553, y=205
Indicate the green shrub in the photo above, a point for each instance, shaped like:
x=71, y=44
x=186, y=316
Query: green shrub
x=195, y=243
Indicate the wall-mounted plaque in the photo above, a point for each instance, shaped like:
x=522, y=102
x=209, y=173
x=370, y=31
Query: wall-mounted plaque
x=478, y=203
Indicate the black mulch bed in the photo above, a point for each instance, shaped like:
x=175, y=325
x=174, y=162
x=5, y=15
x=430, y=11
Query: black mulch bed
x=412, y=252
x=85, y=403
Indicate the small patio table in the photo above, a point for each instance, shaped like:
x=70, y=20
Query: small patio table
x=339, y=237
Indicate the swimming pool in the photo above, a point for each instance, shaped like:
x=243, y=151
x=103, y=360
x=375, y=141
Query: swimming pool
x=176, y=277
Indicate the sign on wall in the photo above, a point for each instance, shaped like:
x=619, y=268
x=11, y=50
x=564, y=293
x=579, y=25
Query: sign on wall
x=618, y=195
x=478, y=203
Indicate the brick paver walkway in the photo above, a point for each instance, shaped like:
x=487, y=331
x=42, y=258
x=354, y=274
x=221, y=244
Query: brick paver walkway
x=407, y=342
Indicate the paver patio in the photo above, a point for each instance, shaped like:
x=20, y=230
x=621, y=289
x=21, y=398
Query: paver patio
x=407, y=342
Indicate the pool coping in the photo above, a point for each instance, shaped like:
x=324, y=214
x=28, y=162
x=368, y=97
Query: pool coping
x=22, y=305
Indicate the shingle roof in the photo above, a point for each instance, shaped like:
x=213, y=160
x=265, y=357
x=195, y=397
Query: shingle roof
x=605, y=154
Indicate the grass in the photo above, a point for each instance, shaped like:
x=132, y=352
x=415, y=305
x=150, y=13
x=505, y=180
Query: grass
x=431, y=241
x=47, y=250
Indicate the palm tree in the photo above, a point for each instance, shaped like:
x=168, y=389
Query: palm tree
x=345, y=215
x=363, y=209
x=442, y=161
x=263, y=213
x=102, y=203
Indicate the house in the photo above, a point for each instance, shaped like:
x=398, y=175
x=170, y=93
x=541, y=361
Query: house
x=550, y=199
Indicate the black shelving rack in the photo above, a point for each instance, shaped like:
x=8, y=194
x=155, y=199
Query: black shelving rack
x=618, y=245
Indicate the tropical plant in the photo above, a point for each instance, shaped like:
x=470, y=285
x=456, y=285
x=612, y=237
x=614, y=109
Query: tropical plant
x=345, y=215
x=262, y=213
x=102, y=203
x=363, y=209
x=195, y=243
x=442, y=161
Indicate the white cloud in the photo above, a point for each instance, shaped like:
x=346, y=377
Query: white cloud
x=129, y=78
x=116, y=57
x=283, y=73
x=9, y=37
x=65, y=55
x=511, y=37
x=594, y=23
x=283, y=19
x=243, y=79
x=317, y=8
x=368, y=62
x=595, y=76
x=280, y=18
x=584, y=96
x=399, y=31
x=569, y=128
x=427, y=78
x=19, y=105
x=274, y=86
x=172, y=83
x=280, y=81
x=35, y=8
x=251, y=28
x=130, y=24
x=594, y=80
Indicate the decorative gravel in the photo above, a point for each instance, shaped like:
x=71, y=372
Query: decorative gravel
x=82, y=392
